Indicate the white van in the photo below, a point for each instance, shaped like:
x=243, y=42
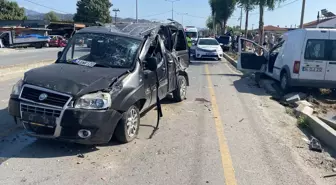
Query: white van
x=304, y=57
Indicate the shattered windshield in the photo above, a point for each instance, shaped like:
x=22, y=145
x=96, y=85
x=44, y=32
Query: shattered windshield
x=97, y=49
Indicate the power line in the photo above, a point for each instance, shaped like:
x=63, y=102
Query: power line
x=152, y=15
x=47, y=7
x=277, y=7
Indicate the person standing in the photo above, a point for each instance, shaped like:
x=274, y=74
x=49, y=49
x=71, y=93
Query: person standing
x=271, y=41
x=189, y=42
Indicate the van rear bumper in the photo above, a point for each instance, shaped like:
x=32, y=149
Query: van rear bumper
x=313, y=83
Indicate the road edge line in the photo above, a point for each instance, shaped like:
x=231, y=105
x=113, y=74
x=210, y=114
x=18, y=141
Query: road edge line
x=229, y=173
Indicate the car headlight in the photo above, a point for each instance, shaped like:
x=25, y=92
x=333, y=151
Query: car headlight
x=99, y=100
x=17, y=87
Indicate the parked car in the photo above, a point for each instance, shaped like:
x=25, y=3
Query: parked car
x=225, y=41
x=90, y=94
x=304, y=57
x=208, y=48
x=57, y=41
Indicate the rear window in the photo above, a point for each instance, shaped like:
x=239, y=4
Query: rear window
x=318, y=49
x=207, y=42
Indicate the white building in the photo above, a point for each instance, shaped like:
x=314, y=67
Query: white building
x=329, y=22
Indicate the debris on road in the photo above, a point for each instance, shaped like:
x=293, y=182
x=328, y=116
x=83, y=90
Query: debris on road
x=241, y=120
x=315, y=145
x=332, y=175
x=304, y=110
x=334, y=169
x=80, y=156
x=203, y=100
x=294, y=97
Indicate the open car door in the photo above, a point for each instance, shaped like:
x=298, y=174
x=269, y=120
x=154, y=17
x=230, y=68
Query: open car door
x=251, y=56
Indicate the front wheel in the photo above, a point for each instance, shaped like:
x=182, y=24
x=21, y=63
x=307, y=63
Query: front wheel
x=284, y=82
x=128, y=127
x=180, y=93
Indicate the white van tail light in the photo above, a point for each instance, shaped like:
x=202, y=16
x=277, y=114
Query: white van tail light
x=296, y=68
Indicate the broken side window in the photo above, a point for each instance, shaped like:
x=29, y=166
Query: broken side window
x=181, y=44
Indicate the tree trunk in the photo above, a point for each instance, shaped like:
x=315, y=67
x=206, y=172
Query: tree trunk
x=246, y=22
x=261, y=24
x=224, y=27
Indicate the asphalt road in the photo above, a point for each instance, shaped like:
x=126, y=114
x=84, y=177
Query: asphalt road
x=227, y=132
x=26, y=56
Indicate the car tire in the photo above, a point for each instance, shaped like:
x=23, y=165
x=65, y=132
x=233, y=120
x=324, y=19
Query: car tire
x=128, y=127
x=284, y=82
x=180, y=93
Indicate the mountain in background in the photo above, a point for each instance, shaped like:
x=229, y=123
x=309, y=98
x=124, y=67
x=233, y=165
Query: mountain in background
x=34, y=15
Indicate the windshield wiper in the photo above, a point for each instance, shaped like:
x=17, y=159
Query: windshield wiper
x=102, y=65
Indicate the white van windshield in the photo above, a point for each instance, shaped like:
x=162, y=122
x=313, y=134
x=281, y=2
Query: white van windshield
x=191, y=34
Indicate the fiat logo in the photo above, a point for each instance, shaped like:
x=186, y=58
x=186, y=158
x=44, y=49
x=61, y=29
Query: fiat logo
x=43, y=96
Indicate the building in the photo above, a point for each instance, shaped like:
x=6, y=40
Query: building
x=329, y=22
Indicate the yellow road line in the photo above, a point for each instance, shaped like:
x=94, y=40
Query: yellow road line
x=229, y=173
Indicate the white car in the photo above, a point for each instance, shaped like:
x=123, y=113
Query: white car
x=208, y=48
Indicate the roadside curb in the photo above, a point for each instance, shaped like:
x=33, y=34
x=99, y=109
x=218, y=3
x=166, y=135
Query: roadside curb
x=321, y=130
x=231, y=60
x=7, y=71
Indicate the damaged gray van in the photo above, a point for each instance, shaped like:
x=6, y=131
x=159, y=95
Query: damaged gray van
x=91, y=94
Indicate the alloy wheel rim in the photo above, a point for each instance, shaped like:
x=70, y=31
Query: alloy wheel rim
x=183, y=90
x=132, y=123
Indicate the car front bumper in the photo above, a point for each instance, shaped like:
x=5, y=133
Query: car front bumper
x=205, y=54
x=101, y=123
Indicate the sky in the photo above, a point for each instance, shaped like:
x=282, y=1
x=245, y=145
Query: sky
x=194, y=12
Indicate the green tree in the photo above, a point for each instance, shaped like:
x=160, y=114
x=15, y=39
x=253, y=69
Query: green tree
x=51, y=16
x=90, y=11
x=11, y=11
x=209, y=22
x=270, y=4
x=222, y=11
x=247, y=5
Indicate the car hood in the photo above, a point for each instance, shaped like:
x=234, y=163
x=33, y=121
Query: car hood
x=71, y=79
x=208, y=47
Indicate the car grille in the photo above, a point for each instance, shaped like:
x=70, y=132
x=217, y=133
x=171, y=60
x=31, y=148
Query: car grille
x=40, y=110
x=52, y=99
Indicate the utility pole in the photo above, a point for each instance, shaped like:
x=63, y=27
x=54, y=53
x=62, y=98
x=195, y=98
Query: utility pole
x=183, y=14
x=302, y=12
x=116, y=10
x=136, y=11
x=241, y=18
x=172, y=10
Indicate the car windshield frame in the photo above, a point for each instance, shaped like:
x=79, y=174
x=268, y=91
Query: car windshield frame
x=108, y=58
x=207, y=44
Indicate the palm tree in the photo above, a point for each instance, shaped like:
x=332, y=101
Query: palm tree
x=222, y=11
x=247, y=5
x=270, y=4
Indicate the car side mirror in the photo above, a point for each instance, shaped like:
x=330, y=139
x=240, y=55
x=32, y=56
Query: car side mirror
x=221, y=44
x=59, y=54
x=151, y=63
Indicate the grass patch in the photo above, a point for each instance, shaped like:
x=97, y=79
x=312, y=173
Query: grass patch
x=303, y=121
x=290, y=111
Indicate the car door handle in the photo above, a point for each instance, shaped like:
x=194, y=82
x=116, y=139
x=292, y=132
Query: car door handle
x=332, y=63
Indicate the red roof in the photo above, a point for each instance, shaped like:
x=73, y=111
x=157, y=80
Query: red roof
x=274, y=28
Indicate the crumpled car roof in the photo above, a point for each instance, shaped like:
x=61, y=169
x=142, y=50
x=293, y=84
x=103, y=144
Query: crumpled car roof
x=134, y=30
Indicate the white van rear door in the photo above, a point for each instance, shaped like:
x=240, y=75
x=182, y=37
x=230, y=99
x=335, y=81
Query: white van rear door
x=331, y=64
x=314, y=56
